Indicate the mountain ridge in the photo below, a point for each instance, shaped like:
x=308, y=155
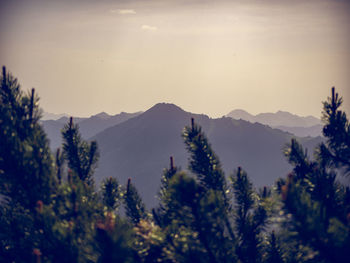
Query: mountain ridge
x=280, y=118
x=88, y=126
x=139, y=148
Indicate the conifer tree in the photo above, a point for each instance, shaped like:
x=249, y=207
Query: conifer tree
x=206, y=166
x=318, y=203
x=25, y=158
x=82, y=156
x=135, y=208
x=26, y=174
x=161, y=215
x=203, y=161
x=336, y=151
x=250, y=219
x=188, y=234
x=111, y=193
x=209, y=207
x=274, y=253
x=167, y=175
x=76, y=205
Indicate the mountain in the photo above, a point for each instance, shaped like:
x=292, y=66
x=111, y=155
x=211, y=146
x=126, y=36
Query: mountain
x=241, y=115
x=65, y=119
x=312, y=131
x=104, y=115
x=140, y=147
x=101, y=121
x=52, y=116
x=88, y=126
x=280, y=118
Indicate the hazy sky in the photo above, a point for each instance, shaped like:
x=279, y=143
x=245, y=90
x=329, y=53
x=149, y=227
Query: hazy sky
x=211, y=57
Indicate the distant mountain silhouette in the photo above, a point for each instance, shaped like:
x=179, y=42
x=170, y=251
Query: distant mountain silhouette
x=280, y=118
x=312, y=131
x=104, y=115
x=65, y=119
x=88, y=126
x=101, y=121
x=52, y=116
x=140, y=147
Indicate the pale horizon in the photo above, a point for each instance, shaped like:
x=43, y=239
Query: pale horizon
x=206, y=57
x=214, y=117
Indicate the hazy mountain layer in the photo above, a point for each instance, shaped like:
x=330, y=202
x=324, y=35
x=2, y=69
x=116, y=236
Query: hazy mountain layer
x=140, y=147
x=312, y=131
x=88, y=126
x=52, y=116
x=280, y=118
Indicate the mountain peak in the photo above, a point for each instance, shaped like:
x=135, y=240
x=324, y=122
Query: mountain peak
x=165, y=107
x=239, y=111
x=102, y=115
x=241, y=114
x=285, y=113
x=164, y=111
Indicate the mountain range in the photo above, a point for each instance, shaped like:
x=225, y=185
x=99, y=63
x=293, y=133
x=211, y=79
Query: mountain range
x=138, y=145
x=285, y=121
x=88, y=126
x=280, y=118
x=52, y=116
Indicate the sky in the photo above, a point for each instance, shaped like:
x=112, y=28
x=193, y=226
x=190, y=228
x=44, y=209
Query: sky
x=211, y=57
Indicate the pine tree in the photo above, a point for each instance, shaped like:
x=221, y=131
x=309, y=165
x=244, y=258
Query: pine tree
x=206, y=166
x=274, y=253
x=135, y=208
x=161, y=215
x=203, y=162
x=44, y=215
x=203, y=212
x=167, y=175
x=82, y=156
x=26, y=175
x=250, y=218
x=317, y=202
x=187, y=233
x=336, y=151
x=76, y=206
x=25, y=158
x=111, y=193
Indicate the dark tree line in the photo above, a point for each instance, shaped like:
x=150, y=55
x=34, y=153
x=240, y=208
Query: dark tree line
x=51, y=211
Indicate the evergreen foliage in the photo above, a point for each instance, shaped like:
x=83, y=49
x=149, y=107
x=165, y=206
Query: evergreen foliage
x=26, y=174
x=203, y=161
x=111, y=193
x=250, y=218
x=135, y=208
x=336, y=151
x=274, y=253
x=206, y=166
x=82, y=156
x=114, y=239
x=317, y=203
x=25, y=158
x=161, y=214
x=50, y=210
